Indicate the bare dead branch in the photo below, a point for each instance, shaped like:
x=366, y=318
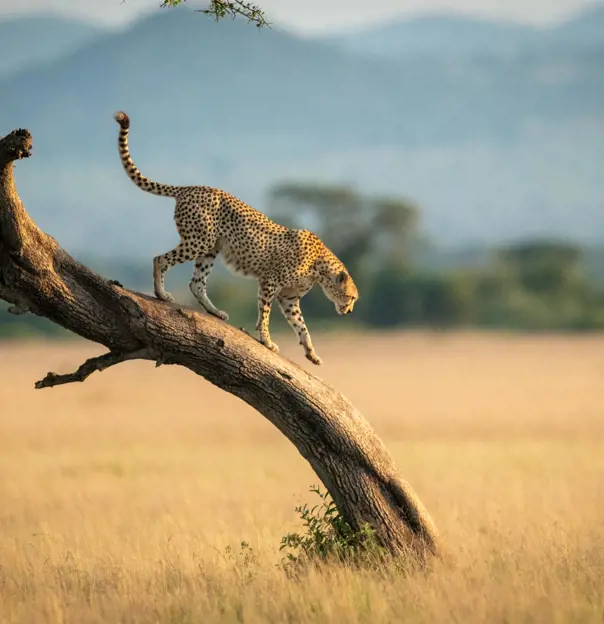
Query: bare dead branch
x=91, y=365
x=328, y=431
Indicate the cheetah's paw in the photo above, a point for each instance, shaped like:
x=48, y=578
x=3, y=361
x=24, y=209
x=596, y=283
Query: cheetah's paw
x=166, y=296
x=222, y=315
x=269, y=344
x=314, y=358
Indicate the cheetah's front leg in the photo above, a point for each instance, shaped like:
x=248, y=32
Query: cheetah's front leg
x=290, y=306
x=266, y=294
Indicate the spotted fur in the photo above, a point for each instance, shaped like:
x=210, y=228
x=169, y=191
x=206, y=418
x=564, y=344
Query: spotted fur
x=286, y=262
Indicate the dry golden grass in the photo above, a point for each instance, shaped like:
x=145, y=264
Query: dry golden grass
x=119, y=496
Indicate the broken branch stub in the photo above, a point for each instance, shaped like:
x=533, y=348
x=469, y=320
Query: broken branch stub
x=37, y=276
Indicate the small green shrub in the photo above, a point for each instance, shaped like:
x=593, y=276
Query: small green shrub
x=328, y=538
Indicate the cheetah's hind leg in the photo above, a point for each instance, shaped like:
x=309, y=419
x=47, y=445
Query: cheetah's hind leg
x=183, y=252
x=203, y=267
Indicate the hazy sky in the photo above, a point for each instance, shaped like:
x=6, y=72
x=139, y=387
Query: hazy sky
x=307, y=16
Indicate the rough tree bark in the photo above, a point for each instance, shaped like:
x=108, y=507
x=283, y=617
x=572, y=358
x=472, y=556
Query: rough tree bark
x=39, y=277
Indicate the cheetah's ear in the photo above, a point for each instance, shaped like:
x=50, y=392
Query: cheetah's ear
x=341, y=278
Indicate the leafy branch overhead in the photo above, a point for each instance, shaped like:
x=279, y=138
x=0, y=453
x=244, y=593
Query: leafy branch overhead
x=232, y=8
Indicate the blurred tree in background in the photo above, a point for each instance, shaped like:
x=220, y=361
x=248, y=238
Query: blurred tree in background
x=547, y=286
x=545, y=268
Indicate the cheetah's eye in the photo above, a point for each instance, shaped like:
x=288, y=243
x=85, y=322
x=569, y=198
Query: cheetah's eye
x=341, y=278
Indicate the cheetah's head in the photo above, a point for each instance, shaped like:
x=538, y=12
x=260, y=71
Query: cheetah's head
x=343, y=292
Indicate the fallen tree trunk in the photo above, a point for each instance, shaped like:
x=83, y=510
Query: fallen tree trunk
x=39, y=277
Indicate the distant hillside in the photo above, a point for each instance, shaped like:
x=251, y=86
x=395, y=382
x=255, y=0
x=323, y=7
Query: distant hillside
x=437, y=36
x=491, y=148
x=453, y=36
x=27, y=41
x=586, y=29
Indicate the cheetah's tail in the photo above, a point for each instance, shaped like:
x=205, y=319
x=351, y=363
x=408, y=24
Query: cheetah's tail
x=131, y=169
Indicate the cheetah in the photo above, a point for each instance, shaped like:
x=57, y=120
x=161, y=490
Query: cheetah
x=286, y=262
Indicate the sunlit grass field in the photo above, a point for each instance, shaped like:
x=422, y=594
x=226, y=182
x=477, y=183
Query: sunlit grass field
x=126, y=498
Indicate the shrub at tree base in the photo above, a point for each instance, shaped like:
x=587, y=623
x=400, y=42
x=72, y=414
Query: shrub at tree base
x=328, y=538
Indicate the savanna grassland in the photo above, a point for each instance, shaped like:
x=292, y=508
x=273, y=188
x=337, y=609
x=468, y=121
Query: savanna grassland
x=126, y=498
